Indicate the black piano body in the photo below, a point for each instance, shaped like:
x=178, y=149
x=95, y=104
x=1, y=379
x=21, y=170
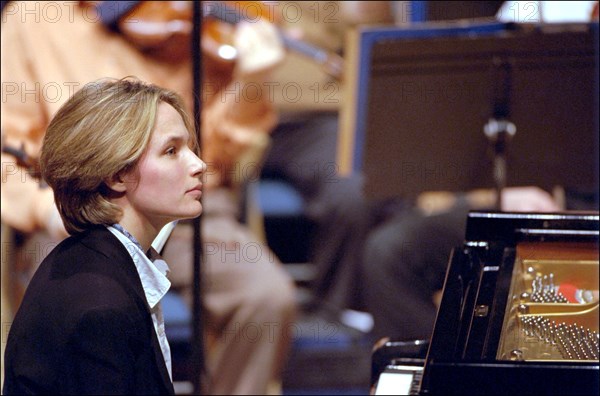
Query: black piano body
x=504, y=325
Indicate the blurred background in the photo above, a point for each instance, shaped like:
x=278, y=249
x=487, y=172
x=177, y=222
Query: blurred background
x=347, y=140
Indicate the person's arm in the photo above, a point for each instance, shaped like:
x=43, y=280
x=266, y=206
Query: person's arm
x=25, y=205
x=514, y=199
x=238, y=119
x=102, y=361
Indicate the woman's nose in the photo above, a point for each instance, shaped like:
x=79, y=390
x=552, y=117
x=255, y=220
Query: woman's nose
x=198, y=166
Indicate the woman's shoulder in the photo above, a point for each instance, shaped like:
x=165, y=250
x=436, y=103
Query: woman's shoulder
x=92, y=263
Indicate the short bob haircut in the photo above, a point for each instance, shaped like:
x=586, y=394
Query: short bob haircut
x=102, y=130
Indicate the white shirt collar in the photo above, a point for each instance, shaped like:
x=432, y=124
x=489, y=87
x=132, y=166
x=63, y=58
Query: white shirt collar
x=152, y=274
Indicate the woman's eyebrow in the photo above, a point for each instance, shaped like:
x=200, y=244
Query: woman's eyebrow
x=175, y=137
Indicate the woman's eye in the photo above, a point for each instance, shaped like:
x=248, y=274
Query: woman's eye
x=171, y=151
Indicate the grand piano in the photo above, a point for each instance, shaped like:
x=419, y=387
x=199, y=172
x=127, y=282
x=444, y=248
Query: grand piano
x=519, y=312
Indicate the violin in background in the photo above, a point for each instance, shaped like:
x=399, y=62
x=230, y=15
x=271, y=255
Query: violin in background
x=160, y=28
x=163, y=28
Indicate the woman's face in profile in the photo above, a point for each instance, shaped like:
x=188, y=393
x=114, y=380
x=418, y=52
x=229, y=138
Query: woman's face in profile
x=166, y=185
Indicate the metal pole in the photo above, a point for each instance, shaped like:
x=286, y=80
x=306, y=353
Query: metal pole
x=499, y=130
x=197, y=316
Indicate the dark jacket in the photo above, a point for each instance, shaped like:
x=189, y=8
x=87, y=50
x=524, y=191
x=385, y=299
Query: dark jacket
x=84, y=326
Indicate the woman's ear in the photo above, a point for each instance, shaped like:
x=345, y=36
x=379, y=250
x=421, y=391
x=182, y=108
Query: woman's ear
x=117, y=183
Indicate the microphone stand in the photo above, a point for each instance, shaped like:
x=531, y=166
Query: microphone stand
x=499, y=133
x=499, y=130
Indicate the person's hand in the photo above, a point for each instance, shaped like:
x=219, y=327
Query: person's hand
x=434, y=202
x=259, y=48
x=528, y=199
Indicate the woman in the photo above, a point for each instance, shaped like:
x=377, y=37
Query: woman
x=119, y=158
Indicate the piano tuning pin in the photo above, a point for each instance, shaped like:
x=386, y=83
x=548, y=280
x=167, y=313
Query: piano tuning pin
x=523, y=309
x=545, y=286
x=516, y=354
x=571, y=341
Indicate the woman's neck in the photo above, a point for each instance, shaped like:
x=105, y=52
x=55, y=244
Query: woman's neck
x=144, y=233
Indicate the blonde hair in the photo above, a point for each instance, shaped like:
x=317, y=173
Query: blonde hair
x=102, y=130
